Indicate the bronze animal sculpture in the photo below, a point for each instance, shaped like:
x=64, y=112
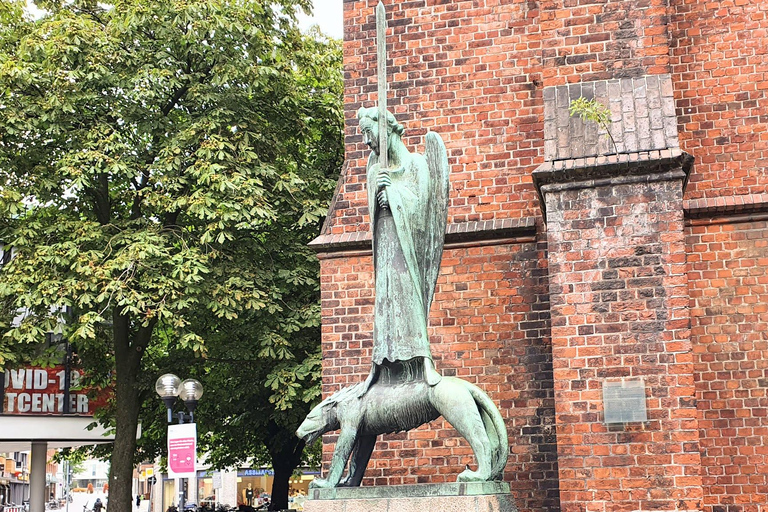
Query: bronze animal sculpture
x=361, y=417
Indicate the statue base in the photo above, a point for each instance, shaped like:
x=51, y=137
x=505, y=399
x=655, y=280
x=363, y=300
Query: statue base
x=452, y=497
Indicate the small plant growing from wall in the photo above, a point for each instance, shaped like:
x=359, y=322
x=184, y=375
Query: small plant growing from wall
x=593, y=111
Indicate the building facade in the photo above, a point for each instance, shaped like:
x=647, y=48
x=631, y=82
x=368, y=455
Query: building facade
x=14, y=478
x=577, y=267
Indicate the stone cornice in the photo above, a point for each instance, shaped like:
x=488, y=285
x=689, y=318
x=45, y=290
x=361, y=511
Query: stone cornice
x=574, y=173
x=455, y=233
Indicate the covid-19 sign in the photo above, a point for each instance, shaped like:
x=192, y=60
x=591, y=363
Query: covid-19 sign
x=44, y=391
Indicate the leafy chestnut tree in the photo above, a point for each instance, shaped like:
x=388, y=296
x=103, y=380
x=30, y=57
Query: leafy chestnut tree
x=163, y=164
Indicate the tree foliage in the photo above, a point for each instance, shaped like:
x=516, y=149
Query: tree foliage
x=163, y=164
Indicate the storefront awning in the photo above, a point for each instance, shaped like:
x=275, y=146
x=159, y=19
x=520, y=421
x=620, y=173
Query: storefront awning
x=18, y=432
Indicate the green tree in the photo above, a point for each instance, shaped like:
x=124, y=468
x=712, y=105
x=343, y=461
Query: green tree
x=158, y=158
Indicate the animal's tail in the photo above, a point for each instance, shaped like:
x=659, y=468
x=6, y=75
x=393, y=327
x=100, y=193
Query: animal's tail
x=497, y=431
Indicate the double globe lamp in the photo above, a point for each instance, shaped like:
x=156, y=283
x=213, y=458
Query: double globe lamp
x=169, y=387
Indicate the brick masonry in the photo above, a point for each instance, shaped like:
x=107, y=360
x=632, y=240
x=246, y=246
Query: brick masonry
x=490, y=327
x=728, y=281
x=687, y=270
x=719, y=61
x=642, y=118
x=619, y=297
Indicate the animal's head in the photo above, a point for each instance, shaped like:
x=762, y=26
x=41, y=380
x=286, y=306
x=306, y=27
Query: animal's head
x=324, y=416
x=321, y=419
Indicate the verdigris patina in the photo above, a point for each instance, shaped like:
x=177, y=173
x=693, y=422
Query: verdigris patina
x=403, y=403
x=408, y=204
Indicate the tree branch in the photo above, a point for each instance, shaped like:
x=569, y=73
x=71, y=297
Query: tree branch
x=100, y=194
x=173, y=100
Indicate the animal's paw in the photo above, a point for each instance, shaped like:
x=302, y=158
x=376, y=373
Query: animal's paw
x=471, y=476
x=320, y=483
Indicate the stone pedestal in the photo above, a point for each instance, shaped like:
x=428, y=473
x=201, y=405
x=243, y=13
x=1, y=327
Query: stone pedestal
x=456, y=497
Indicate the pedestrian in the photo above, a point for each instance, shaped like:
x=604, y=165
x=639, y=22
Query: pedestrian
x=138, y=500
x=98, y=505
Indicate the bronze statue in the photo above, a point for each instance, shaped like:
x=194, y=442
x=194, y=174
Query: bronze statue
x=408, y=208
x=403, y=406
x=407, y=203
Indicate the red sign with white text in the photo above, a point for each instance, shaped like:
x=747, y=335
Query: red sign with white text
x=40, y=391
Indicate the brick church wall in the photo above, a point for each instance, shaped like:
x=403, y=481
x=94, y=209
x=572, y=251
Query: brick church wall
x=490, y=327
x=728, y=281
x=719, y=64
x=619, y=311
x=469, y=71
x=480, y=72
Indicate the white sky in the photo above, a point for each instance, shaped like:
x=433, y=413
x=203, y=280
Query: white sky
x=328, y=15
x=325, y=13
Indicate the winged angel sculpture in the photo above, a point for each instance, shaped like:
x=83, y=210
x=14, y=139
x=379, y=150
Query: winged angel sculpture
x=408, y=201
x=408, y=207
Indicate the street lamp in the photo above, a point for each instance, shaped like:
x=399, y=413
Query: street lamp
x=169, y=387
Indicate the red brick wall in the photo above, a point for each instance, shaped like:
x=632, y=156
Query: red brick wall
x=619, y=309
x=728, y=280
x=719, y=63
x=474, y=71
x=490, y=326
x=469, y=70
x=598, y=40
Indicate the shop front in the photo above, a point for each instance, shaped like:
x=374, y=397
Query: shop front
x=254, y=485
x=5, y=492
x=299, y=486
x=168, y=493
x=247, y=486
x=19, y=489
x=208, y=490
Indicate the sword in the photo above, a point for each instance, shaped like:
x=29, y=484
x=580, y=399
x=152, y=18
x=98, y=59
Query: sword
x=381, y=69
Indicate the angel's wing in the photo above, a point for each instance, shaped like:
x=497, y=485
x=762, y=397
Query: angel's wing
x=437, y=213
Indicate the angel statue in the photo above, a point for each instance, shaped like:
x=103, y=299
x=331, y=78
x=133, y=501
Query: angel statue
x=408, y=206
x=408, y=202
x=408, y=209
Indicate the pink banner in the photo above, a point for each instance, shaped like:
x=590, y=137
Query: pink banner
x=182, y=450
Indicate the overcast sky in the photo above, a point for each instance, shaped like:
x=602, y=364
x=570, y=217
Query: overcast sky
x=325, y=13
x=328, y=15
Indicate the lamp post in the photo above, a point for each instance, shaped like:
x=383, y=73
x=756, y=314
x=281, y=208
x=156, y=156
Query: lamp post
x=169, y=387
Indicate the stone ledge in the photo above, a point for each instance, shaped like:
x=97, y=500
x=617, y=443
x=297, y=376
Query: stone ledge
x=726, y=205
x=455, y=497
x=606, y=166
x=411, y=491
x=671, y=163
x=455, y=233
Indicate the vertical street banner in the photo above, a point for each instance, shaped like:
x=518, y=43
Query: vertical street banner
x=182, y=450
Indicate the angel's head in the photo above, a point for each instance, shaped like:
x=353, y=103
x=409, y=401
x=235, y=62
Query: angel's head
x=369, y=126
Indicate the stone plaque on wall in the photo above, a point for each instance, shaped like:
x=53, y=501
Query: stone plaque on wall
x=624, y=401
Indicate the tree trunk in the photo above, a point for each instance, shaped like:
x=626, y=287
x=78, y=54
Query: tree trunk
x=128, y=352
x=280, y=486
x=285, y=458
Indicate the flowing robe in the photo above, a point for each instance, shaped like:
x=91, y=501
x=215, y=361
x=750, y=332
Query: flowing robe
x=400, y=234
